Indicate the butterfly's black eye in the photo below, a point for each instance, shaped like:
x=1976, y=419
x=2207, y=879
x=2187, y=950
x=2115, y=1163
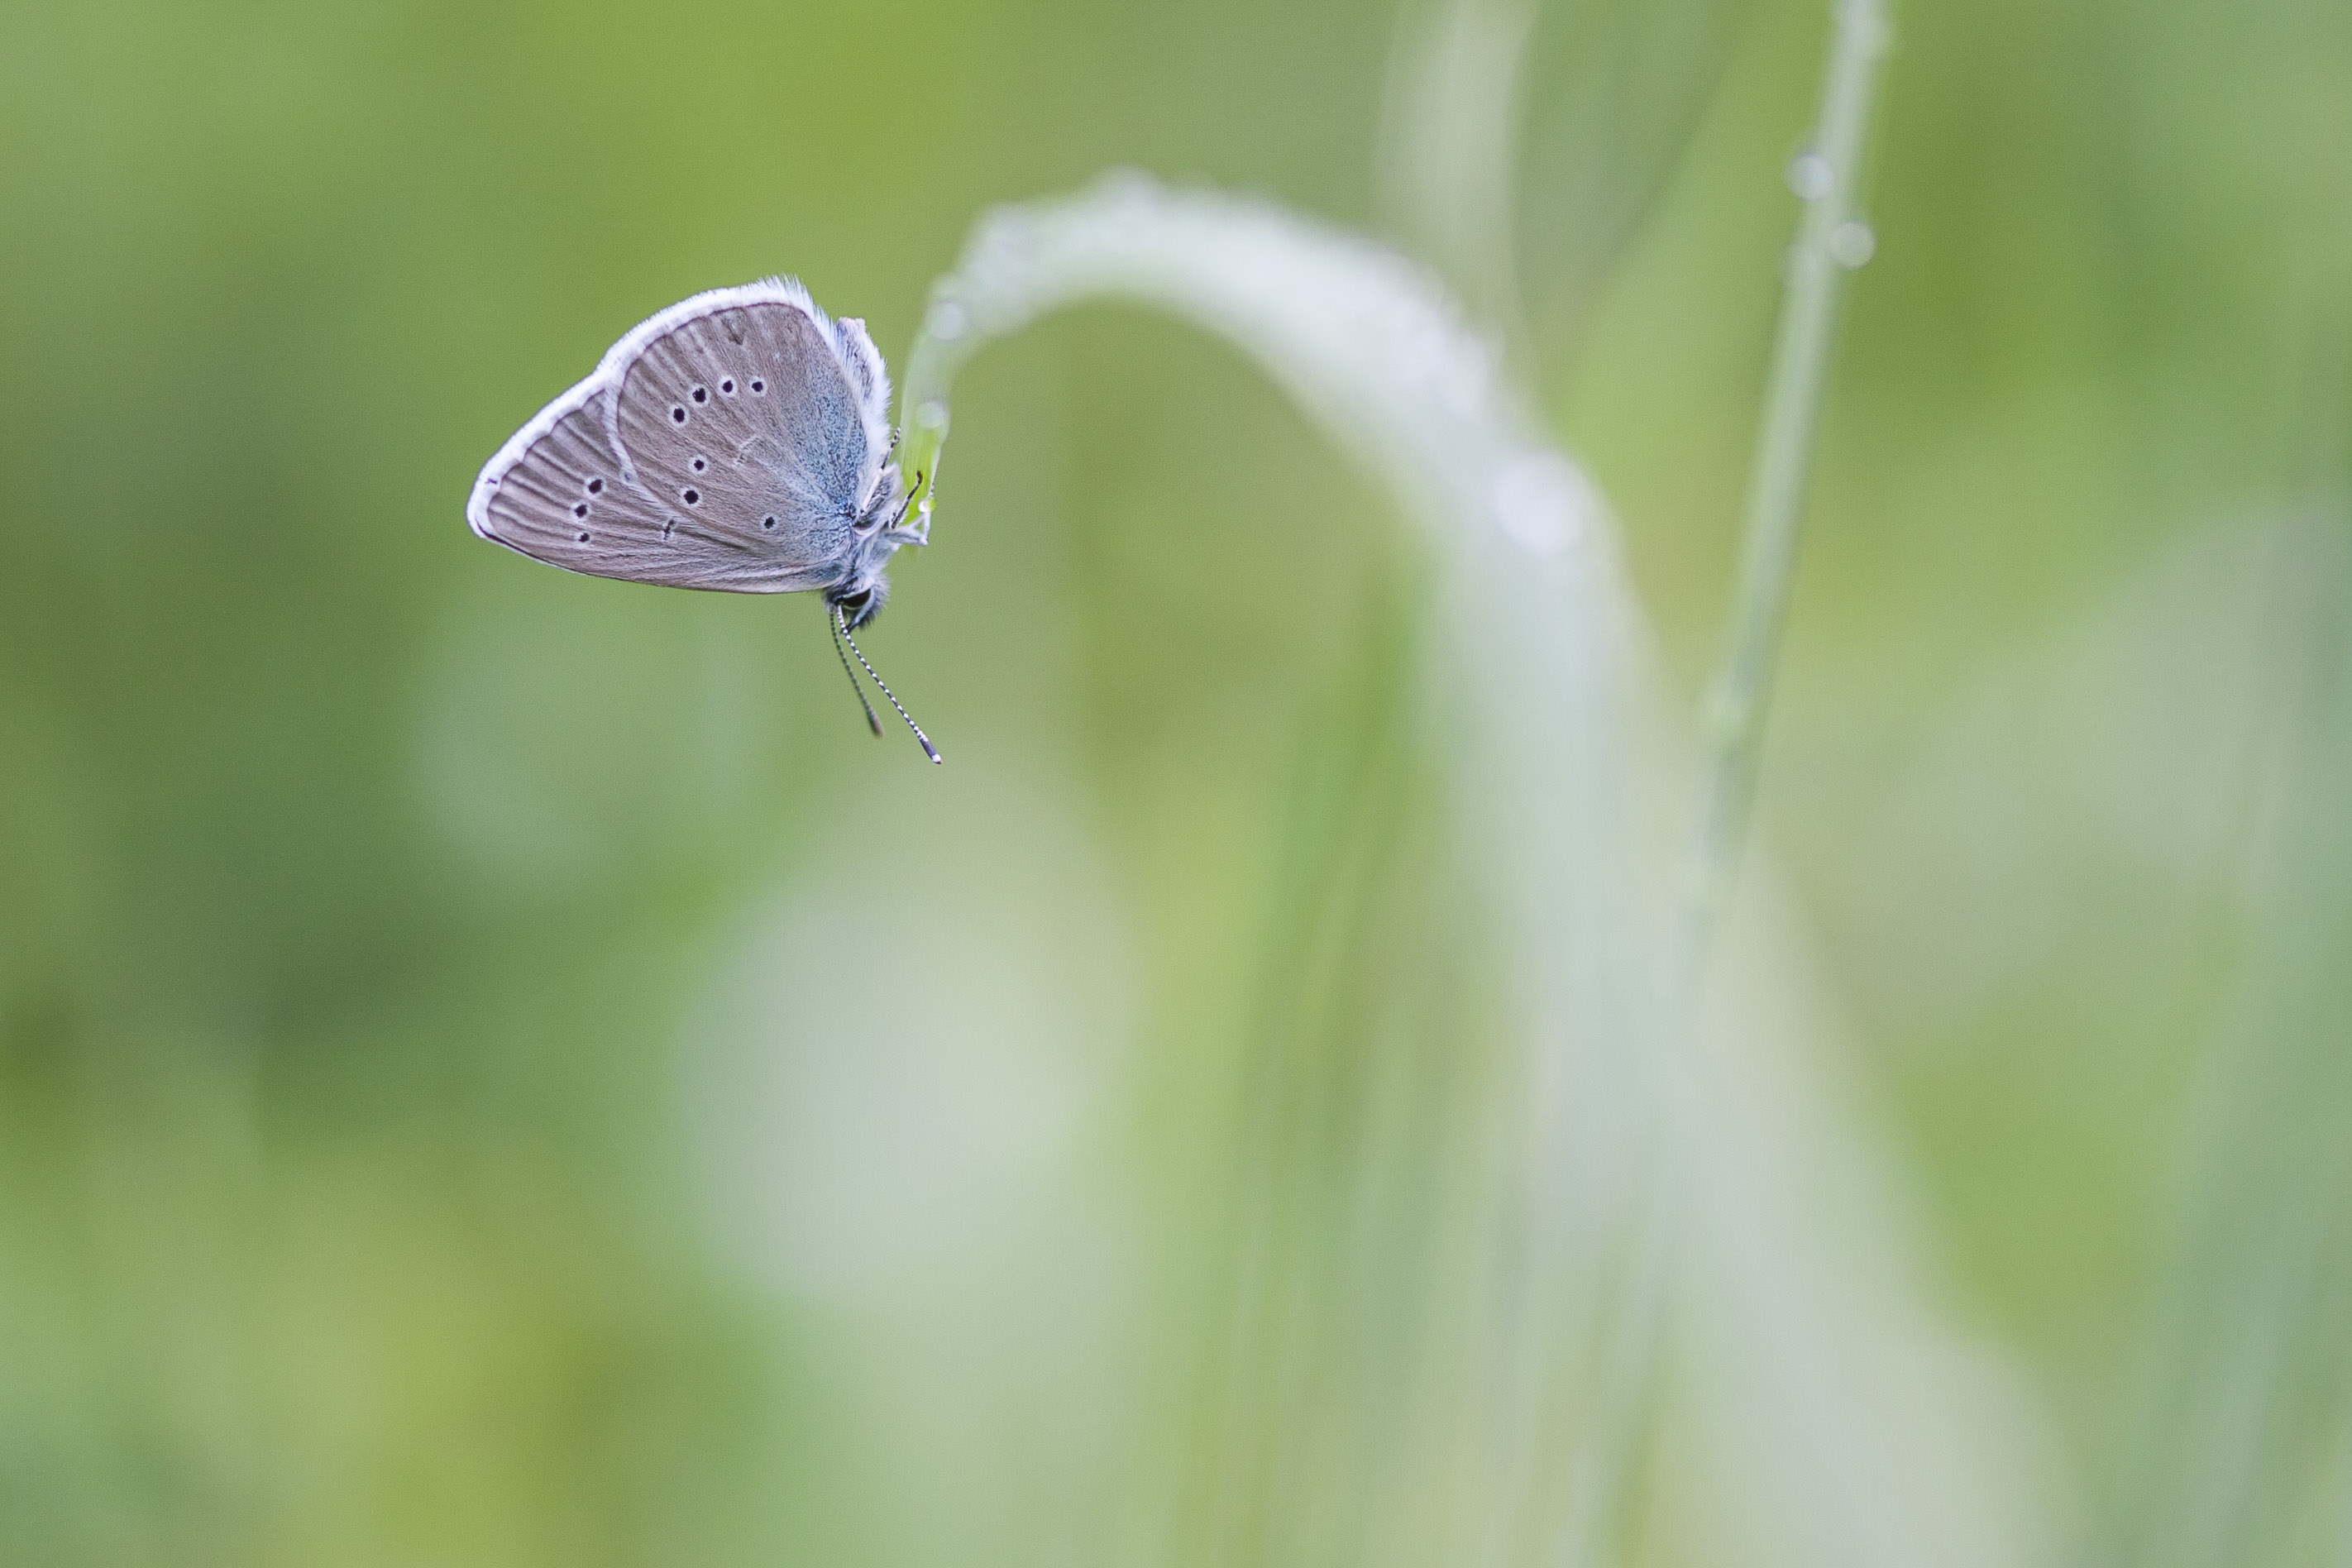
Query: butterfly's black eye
x=856, y=601
x=727, y=387
x=697, y=465
x=596, y=487
x=701, y=395
x=677, y=413
x=759, y=386
x=768, y=520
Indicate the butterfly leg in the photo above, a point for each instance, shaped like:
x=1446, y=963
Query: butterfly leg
x=922, y=533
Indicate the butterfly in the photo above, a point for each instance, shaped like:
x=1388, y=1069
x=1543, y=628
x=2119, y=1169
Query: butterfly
x=740, y=441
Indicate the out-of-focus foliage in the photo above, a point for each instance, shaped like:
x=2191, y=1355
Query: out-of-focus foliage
x=495, y=1067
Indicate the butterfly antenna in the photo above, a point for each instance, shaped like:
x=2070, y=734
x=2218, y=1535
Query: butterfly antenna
x=875, y=725
x=841, y=628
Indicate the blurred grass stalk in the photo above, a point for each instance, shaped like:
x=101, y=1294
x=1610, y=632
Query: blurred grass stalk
x=1547, y=765
x=1831, y=240
x=1835, y=1420
x=1841, y=1433
x=2245, y=1446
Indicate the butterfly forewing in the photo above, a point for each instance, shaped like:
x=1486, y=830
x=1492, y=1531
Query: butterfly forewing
x=744, y=419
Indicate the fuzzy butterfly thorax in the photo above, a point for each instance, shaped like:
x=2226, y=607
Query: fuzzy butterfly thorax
x=864, y=588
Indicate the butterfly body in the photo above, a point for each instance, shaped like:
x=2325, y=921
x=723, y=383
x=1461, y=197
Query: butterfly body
x=738, y=441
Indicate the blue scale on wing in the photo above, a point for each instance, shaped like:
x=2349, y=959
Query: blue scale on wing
x=743, y=421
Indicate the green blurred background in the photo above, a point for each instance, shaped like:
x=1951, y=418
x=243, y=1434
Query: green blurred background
x=496, y=1067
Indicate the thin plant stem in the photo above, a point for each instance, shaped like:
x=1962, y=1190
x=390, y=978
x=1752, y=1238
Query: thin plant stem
x=1831, y=241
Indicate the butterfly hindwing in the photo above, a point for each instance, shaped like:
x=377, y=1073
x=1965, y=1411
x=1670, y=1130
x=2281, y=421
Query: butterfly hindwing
x=556, y=493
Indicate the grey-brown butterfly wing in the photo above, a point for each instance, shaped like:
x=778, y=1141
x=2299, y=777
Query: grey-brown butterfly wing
x=756, y=419
x=559, y=494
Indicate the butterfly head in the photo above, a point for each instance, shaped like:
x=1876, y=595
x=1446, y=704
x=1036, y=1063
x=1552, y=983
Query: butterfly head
x=863, y=588
x=861, y=598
